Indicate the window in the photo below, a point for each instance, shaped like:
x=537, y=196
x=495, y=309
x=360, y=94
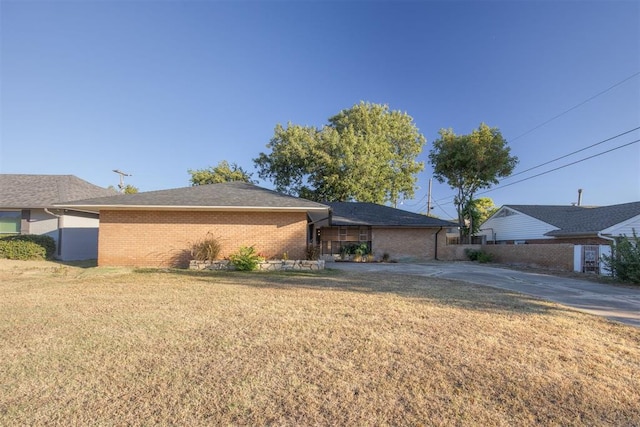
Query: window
x=363, y=234
x=342, y=233
x=10, y=222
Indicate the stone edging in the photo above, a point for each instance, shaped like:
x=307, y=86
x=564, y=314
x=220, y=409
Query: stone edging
x=270, y=265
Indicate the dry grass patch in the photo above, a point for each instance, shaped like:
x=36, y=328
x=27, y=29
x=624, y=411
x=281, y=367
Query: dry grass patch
x=97, y=346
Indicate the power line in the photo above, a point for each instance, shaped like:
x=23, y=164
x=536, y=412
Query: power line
x=442, y=209
x=414, y=204
x=575, y=106
x=572, y=153
x=559, y=167
x=559, y=158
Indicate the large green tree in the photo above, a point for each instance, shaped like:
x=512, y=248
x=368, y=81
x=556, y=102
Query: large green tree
x=222, y=172
x=366, y=153
x=469, y=163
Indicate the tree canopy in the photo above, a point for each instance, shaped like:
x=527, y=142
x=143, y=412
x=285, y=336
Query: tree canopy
x=127, y=189
x=223, y=172
x=130, y=189
x=471, y=162
x=366, y=153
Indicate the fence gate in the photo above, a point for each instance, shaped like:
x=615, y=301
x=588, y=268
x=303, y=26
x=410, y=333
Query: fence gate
x=591, y=259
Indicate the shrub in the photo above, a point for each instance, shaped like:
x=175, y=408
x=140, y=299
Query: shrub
x=355, y=249
x=478, y=255
x=472, y=254
x=45, y=242
x=206, y=249
x=313, y=252
x=624, y=261
x=21, y=250
x=484, y=257
x=246, y=259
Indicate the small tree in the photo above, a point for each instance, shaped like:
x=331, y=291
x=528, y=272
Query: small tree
x=130, y=189
x=469, y=163
x=624, y=261
x=476, y=213
x=223, y=172
x=127, y=189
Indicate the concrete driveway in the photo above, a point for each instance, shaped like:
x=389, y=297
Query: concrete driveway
x=616, y=303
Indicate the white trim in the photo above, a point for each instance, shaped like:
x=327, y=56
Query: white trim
x=98, y=208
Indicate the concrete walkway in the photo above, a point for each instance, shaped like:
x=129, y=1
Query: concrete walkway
x=613, y=302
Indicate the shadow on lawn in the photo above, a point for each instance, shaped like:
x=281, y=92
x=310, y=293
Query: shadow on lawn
x=431, y=290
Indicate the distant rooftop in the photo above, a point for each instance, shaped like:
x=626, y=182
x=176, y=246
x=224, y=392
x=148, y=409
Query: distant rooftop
x=371, y=214
x=575, y=220
x=21, y=191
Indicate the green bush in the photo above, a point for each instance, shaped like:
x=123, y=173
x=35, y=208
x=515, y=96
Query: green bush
x=206, y=249
x=246, y=259
x=472, y=254
x=478, y=255
x=21, y=250
x=624, y=261
x=45, y=242
x=484, y=257
x=355, y=249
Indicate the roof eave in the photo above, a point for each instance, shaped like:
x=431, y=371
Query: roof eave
x=97, y=208
x=572, y=234
x=363, y=224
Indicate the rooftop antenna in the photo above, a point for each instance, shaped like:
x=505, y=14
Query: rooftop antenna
x=122, y=175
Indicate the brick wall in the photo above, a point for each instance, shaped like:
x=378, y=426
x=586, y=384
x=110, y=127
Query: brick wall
x=406, y=243
x=161, y=238
x=553, y=257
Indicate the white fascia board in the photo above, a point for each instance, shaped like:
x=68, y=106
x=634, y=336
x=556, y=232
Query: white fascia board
x=96, y=208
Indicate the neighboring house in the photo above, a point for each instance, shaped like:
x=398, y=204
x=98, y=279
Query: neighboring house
x=579, y=225
x=158, y=228
x=27, y=207
x=397, y=233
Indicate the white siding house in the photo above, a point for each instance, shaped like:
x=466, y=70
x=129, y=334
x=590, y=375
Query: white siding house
x=510, y=225
x=562, y=224
x=625, y=228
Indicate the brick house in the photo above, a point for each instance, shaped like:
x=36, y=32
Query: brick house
x=28, y=206
x=400, y=234
x=157, y=228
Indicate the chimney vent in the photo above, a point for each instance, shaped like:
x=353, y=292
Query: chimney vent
x=579, y=196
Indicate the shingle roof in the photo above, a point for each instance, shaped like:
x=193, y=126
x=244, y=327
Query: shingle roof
x=21, y=191
x=359, y=213
x=579, y=220
x=228, y=195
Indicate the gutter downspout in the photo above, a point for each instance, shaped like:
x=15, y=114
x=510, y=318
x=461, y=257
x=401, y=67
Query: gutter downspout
x=435, y=256
x=611, y=239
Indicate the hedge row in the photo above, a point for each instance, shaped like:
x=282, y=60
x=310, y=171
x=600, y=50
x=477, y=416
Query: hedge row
x=27, y=246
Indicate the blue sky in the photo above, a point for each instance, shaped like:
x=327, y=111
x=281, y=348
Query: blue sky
x=157, y=88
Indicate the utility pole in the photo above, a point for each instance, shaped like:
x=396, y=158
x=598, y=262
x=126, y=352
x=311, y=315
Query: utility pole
x=429, y=198
x=122, y=175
